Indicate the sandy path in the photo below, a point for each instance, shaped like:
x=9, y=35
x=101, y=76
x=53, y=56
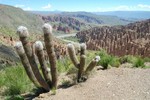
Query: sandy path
x=112, y=84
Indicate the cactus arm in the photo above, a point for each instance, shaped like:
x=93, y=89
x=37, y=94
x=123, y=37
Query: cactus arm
x=23, y=33
x=81, y=68
x=72, y=55
x=47, y=29
x=82, y=49
x=40, y=55
x=92, y=64
x=26, y=64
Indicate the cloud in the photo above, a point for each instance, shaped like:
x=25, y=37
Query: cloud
x=27, y=8
x=122, y=7
x=47, y=6
x=20, y=6
x=143, y=6
x=23, y=7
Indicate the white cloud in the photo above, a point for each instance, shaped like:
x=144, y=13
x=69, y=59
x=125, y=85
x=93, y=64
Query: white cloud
x=23, y=7
x=20, y=6
x=27, y=8
x=143, y=6
x=47, y=6
x=122, y=7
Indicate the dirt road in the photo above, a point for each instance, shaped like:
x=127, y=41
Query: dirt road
x=112, y=84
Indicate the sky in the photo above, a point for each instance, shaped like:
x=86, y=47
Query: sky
x=80, y=5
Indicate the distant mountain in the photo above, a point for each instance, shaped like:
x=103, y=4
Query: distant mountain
x=12, y=17
x=127, y=14
x=98, y=19
x=89, y=18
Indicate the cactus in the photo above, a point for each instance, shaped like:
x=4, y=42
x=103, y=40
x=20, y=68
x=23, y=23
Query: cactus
x=26, y=64
x=27, y=56
x=47, y=29
x=23, y=34
x=80, y=65
x=72, y=55
x=40, y=55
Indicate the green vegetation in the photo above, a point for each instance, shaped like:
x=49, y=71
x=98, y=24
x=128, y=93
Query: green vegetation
x=14, y=81
x=115, y=61
x=107, y=60
x=12, y=17
x=72, y=38
x=64, y=65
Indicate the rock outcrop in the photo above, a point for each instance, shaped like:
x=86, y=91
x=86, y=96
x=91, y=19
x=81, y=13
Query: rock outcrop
x=132, y=39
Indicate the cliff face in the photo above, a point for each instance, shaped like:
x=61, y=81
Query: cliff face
x=132, y=39
x=64, y=23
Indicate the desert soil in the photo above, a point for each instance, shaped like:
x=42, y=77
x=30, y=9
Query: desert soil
x=111, y=84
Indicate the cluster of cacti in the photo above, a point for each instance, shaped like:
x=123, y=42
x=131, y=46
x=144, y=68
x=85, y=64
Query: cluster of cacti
x=80, y=65
x=120, y=41
x=28, y=52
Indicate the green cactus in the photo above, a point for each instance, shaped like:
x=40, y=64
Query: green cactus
x=26, y=64
x=72, y=55
x=23, y=34
x=92, y=64
x=47, y=29
x=40, y=54
x=80, y=65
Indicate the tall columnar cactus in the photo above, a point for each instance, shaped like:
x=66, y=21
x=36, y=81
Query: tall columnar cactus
x=41, y=58
x=26, y=64
x=47, y=29
x=81, y=65
x=72, y=55
x=27, y=56
x=23, y=34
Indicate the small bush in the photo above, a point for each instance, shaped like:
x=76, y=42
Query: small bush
x=146, y=59
x=139, y=62
x=114, y=61
x=108, y=60
x=127, y=58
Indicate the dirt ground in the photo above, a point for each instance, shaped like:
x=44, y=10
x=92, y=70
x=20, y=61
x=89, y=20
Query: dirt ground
x=111, y=84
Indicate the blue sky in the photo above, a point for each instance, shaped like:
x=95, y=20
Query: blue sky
x=80, y=5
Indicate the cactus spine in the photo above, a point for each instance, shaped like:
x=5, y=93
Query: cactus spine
x=47, y=29
x=80, y=65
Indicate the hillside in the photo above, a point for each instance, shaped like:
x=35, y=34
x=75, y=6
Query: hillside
x=119, y=40
x=64, y=23
x=71, y=22
x=89, y=18
x=12, y=17
x=98, y=19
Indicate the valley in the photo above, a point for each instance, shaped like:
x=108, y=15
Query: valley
x=115, y=44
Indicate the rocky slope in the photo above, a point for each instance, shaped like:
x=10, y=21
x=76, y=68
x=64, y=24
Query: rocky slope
x=131, y=39
x=7, y=56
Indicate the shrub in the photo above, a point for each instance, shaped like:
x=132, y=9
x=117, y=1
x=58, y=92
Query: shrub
x=108, y=60
x=139, y=62
x=127, y=58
